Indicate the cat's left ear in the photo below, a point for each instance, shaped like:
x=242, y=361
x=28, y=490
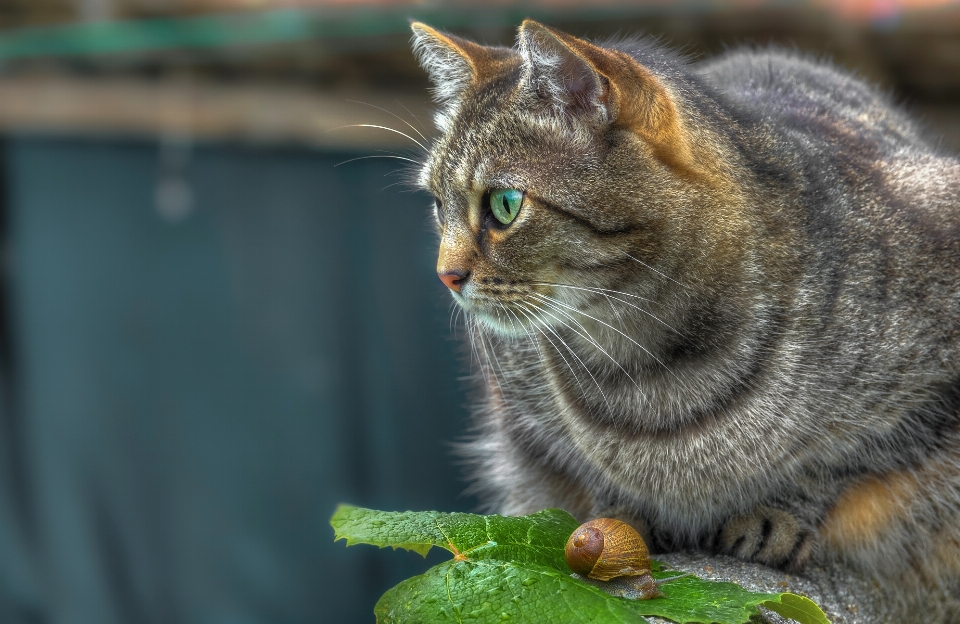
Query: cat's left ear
x=453, y=63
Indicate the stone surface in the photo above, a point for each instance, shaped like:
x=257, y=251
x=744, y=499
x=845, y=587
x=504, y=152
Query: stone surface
x=845, y=598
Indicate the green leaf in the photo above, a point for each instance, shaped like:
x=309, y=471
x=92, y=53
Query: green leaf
x=513, y=570
x=498, y=591
x=537, y=538
x=799, y=608
x=414, y=531
x=693, y=600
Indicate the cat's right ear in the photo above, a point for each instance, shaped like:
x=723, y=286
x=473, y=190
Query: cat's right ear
x=603, y=86
x=559, y=69
x=450, y=61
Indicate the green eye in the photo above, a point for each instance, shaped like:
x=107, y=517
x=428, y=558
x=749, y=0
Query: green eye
x=505, y=204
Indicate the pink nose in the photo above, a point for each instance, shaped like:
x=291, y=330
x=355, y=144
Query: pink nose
x=453, y=279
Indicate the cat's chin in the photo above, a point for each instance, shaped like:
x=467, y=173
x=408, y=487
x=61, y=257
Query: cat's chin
x=497, y=322
x=501, y=327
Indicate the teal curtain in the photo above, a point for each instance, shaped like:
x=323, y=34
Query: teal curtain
x=193, y=390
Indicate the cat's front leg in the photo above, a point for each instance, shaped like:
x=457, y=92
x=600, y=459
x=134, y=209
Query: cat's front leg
x=782, y=531
x=769, y=535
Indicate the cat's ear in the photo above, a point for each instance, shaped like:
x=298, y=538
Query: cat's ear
x=605, y=86
x=451, y=62
x=558, y=67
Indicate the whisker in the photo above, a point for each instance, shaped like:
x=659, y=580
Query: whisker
x=417, y=119
x=574, y=354
x=618, y=313
x=392, y=184
x=472, y=332
x=395, y=115
x=493, y=362
x=455, y=311
x=416, y=162
x=593, y=341
x=507, y=312
x=597, y=288
x=470, y=326
x=511, y=315
x=394, y=171
x=662, y=274
x=532, y=338
x=496, y=360
x=486, y=364
x=387, y=128
x=585, y=334
x=555, y=347
x=645, y=350
x=604, y=291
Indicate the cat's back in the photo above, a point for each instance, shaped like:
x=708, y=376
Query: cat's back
x=811, y=99
x=859, y=153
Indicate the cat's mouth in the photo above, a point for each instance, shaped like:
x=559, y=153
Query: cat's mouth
x=515, y=312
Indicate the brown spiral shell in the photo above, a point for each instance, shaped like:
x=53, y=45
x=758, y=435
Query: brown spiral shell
x=605, y=548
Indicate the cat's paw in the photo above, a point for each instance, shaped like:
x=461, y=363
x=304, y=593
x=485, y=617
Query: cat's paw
x=770, y=536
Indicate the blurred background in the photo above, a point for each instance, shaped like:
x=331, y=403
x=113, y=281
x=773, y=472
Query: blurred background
x=215, y=324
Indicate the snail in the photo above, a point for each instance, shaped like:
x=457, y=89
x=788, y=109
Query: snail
x=611, y=554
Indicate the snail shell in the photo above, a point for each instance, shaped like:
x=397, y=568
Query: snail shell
x=605, y=548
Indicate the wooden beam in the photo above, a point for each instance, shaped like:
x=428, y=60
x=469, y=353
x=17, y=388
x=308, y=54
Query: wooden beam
x=207, y=110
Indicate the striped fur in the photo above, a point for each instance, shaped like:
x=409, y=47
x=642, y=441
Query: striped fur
x=728, y=310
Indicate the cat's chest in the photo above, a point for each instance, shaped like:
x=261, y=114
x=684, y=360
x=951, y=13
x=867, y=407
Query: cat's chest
x=690, y=475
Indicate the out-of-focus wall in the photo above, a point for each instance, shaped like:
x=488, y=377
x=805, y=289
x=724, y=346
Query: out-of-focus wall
x=198, y=381
x=287, y=75
x=215, y=324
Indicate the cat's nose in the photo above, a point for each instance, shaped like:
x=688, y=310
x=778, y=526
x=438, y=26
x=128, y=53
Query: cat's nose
x=454, y=279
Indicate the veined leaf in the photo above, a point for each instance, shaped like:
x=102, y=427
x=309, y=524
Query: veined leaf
x=509, y=569
x=499, y=591
x=537, y=538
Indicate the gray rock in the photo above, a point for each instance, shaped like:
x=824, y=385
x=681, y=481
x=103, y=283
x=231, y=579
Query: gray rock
x=845, y=598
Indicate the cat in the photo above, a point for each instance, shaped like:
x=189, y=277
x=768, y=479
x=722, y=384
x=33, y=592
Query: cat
x=720, y=300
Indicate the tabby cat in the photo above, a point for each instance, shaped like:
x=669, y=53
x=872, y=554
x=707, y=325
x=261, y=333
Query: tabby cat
x=719, y=300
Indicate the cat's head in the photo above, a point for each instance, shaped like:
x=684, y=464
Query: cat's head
x=563, y=168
